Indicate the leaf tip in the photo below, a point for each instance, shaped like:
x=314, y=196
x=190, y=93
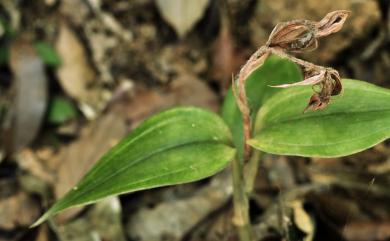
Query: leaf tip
x=40, y=220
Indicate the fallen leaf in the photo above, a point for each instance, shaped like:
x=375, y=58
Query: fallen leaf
x=226, y=60
x=28, y=161
x=17, y=210
x=189, y=90
x=366, y=231
x=174, y=218
x=43, y=233
x=182, y=15
x=303, y=220
x=102, y=222
x=75, y=74
x=29, y=93
x=77, y=158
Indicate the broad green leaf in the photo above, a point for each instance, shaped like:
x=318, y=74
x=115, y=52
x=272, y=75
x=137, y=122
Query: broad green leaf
x=61, y=110
x=47, y=53
x=176, y=146
x=354, y=121
x=274, y=71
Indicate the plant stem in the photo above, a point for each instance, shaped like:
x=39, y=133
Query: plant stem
x=251, y=170
x=240, y=201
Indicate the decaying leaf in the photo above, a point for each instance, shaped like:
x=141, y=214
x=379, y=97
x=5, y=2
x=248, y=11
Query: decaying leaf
x=75, y=74
x=366, y=231
x=225, y=59
x=303, y=220
x=29, y=94
x=102, y=222
x=17, y=210
x=182, y=15
x=80, y=156
x=175, y=218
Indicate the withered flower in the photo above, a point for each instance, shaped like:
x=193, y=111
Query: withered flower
x=331, y=23
x=329, y=82
x=303, y=35
x=330, y=86
x=294, y=36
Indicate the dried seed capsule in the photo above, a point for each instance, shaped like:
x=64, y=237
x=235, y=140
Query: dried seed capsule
x=294, y=36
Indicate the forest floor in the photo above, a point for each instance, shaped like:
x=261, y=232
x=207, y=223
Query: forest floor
x=78, y=75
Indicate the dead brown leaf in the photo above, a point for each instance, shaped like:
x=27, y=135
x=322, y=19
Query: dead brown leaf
x=226, y=59
x=77, y=158
x=174, y=218
x=29, y=92
x=182, y=14
x=102, y=222
x=75, y=74
x=18, y=210
x=366, y=231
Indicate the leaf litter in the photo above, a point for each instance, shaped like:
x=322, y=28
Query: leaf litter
x=105, y=45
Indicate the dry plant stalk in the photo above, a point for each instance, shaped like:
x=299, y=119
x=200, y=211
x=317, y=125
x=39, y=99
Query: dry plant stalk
x=294, y=36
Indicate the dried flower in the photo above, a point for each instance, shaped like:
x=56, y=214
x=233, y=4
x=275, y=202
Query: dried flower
x=330, y=86
x=302, y=35
x=294, y=36
x=327, y=79
x=331, y=23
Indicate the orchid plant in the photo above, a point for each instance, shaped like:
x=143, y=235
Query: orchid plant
x=259, y=115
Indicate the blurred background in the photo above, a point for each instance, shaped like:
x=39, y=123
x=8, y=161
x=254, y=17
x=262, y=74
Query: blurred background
x=77, y=75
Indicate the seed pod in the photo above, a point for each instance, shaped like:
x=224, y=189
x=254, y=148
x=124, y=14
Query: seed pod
x=294, y=36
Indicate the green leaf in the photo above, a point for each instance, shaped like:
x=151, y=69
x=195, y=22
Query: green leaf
x=274, y=71
x=176, y=146
x=61, y=110
x=354, y=121
x=47, y=53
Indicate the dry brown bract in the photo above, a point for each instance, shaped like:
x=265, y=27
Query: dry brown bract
x=295, y=36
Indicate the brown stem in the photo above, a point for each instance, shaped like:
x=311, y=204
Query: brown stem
x=255, y=61
x=307, y=65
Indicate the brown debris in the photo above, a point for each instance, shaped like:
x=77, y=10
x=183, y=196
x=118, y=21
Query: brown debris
x=367, y=231
x=29, y=94
x=17, y=210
